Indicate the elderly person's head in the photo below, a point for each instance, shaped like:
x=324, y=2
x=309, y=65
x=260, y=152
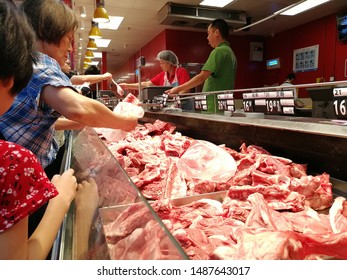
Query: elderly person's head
x=54, y=24
x=168, y=56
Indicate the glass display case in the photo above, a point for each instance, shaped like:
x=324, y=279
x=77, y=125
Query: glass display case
x=126, y=225
x=121, y=209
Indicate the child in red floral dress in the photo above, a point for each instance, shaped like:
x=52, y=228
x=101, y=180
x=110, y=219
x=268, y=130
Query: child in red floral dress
x=24, y=186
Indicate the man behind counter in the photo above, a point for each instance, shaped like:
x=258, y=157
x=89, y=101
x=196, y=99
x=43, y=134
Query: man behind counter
x=219, y=71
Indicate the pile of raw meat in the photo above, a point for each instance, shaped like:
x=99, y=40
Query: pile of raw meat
x=272, y=208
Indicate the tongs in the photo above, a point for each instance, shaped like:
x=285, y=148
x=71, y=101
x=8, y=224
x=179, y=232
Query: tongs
x=120, y=91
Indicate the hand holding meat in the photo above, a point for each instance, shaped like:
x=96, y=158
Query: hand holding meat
x=66, y=185
x=127, y=122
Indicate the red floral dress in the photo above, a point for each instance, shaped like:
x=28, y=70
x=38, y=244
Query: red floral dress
x=24, y=186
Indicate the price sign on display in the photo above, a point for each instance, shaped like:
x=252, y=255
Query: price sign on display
x=225, y=101
x=273, y=106
x=340, y=102
x=270, y=102
x=248, y=105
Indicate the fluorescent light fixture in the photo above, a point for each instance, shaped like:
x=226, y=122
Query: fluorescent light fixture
x=102, y=43
x=94, y=63
x=113, y=24
x=304, y=6
x=97, y=54
x=83, y=11
x=216, y=3
x=81, y=25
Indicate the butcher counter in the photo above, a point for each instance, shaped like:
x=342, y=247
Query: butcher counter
x=319, y=143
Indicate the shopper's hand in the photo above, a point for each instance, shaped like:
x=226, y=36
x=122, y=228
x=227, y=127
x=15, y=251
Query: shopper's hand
x=66, y=185
x=127, y=123
x=107, y=76
x=87, y=197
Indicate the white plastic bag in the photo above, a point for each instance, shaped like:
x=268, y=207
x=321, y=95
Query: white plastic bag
x=206, y=161
x=129, y=109
x=125, y=109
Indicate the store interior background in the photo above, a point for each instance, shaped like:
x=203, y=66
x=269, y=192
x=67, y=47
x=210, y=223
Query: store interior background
x=191, y=47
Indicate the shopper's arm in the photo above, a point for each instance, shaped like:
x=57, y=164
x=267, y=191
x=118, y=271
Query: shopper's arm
x=86, y=202
x=41, y=241
x=85, y=110
x=65, y=124
x=92, y=79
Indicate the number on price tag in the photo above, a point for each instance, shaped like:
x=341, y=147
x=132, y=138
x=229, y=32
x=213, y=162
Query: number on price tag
x=340, y=107
x=340, y=91
x=248, y=105
x=273, y=106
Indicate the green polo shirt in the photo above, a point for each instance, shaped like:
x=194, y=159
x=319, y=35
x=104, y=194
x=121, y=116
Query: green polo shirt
x=222, y=63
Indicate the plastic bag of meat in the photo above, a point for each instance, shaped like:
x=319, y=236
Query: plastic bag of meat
x=126, y=108
x=206, y=161
x=129, y=109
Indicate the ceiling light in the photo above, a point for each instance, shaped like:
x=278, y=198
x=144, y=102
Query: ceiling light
x=112, y=24
x=87, y=61
x=103, y=43
x=82, y=25
x=94, y=63
x=79, y=46
x=303, y=6
x=216, y=3
x=80, y=36
x=89, y=54
x=92, y=45
x=97, y=54
x=95, y=32
x=100, y=13
x=83, y=11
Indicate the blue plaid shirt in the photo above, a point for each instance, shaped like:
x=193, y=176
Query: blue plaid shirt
x=30, y=123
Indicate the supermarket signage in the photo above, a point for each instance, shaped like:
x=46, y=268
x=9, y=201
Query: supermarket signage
x=270, y=102
x=305, y=59
x=225, y=102
x=340, y=100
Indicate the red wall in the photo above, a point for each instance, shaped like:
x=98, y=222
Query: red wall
x=192, y=46
x=332, y=53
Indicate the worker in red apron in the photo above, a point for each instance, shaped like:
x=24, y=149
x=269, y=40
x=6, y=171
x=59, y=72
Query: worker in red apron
x=172, y=74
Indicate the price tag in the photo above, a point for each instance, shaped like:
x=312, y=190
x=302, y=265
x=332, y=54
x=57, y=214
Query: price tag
x=288, y=110
x=273, y=106
x=341, y=107
x=340, y=91
x=248, y=105
x=224, y=100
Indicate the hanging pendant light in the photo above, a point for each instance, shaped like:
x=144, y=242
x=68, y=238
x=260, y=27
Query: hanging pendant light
x=85, y=65
x=89, y=54
x=95, y=32
x=87, y=61
x=92, y=45
x=100, y=13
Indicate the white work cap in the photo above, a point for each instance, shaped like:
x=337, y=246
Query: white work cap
x=168, y=56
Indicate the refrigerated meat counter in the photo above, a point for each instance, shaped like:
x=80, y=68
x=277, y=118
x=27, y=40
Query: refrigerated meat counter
x=313, y=141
